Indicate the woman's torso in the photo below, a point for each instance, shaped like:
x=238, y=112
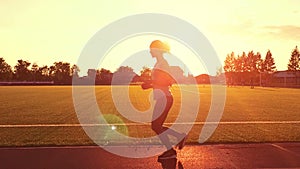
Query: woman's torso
x=161, y=79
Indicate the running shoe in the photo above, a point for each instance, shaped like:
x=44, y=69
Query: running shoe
x=168, y=154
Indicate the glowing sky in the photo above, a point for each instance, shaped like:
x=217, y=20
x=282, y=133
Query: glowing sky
x=48, y=31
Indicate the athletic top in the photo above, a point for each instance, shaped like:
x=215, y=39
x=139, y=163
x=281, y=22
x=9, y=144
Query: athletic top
x=161, y=79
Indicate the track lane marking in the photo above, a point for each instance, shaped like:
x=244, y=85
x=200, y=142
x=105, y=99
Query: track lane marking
x=285, y=150
x=143, y=124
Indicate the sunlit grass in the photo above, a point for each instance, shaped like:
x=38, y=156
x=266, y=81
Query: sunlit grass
x=54, y=105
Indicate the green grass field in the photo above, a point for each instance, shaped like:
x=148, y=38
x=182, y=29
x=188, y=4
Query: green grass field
x=31, y=105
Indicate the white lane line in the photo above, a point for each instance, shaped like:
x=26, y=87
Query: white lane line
x=286, y=150
x=129, y=146
x=143, y=124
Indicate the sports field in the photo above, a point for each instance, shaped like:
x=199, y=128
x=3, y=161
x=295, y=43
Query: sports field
x=45, y=116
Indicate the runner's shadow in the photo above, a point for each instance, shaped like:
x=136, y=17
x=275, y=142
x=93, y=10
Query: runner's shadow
x=170, y=163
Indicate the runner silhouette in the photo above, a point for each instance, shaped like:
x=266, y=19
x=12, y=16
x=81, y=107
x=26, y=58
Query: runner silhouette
x=161, y=83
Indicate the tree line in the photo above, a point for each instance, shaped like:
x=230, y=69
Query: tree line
x=239, y=69
x=63, y=72
x=252, y=68
x=59, y=72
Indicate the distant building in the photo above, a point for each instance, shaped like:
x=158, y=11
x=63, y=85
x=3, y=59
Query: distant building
x=286, y=78
x=86, y=80
x=203, y=79
x=92, y=73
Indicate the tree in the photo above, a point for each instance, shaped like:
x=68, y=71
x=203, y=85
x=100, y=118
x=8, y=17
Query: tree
x=253, y=64
x=250, y=62
x=61, y=72
x=103, y=76
x=259, y=62
x=230, y=63
x=241, y=67
x=39, y=73
x=293, y=64
x=5, y=71
x=124, y=69
x=230, y=67
x=35, y=72
x=219, y=71
x=294, y=60
x=74, y=71
x=268, y=64
x=145, y=74
x=51, y=72
x=22, y=73
x=44, y=73
x=241, y=63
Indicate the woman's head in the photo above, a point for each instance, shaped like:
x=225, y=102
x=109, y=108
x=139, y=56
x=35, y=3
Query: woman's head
x=157, y=48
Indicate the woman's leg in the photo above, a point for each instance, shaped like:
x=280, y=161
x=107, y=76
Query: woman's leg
x=160, y=113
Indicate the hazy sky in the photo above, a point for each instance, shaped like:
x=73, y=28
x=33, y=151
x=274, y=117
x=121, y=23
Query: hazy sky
x=48, y=31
